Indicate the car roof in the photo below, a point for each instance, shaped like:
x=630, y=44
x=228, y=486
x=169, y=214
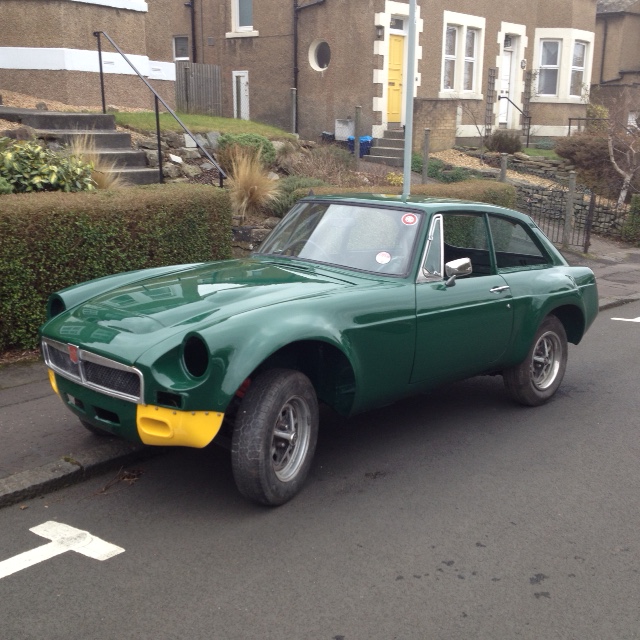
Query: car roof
x=426, y=203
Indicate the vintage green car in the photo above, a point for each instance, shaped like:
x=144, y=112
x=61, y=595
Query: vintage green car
x=355, y=302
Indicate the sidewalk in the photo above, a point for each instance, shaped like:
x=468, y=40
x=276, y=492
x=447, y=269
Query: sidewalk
x=45, y=448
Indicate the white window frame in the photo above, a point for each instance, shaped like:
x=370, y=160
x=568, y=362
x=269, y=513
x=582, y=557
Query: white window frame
x=237, y=30
x=575, y=68
x=568, y=39
x=550, y=67
x=177, y=58
x=463, y=22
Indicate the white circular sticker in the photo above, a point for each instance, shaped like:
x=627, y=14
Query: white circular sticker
x=383, y=257
x=409, y=218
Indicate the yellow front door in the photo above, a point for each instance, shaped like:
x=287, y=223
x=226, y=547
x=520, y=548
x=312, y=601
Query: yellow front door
x=396, y=58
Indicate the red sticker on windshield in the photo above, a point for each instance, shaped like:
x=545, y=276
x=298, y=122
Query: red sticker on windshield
x=383, y=257
x=409, y=218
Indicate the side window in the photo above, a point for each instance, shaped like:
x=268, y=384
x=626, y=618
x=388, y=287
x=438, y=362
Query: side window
x=465, y=236
x=514, y=246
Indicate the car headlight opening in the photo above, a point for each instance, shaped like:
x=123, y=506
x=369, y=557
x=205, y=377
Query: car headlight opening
x=195, y=356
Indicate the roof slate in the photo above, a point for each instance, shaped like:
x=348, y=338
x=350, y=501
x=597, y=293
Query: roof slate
x=614, y=6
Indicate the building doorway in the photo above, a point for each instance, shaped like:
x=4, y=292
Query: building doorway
x=241, y=95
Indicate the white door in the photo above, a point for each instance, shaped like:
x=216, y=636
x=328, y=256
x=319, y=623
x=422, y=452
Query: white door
x=505, y=87
x=241, y=95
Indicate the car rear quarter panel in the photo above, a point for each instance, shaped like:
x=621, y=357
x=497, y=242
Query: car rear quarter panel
x=570, y=292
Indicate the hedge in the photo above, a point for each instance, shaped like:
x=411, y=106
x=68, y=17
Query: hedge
x=49, y=241
x=488, y=191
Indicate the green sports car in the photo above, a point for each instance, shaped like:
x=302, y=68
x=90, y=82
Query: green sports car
x=351, y=301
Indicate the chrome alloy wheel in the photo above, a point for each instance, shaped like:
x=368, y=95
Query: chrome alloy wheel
x=291, y=436
x=545, y=362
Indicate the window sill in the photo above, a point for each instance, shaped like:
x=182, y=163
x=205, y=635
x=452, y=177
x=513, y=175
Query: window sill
x=558, y=99
x=455, y=95
x=242, y=34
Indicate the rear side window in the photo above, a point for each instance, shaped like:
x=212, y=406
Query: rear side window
x=514, y=246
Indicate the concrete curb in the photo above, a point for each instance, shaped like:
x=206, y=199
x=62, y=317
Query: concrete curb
x=72, y=469
x=611, y=303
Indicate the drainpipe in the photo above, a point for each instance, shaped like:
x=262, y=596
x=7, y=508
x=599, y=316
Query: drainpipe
x=296, y=10
x=604, y=48
x=192, y=6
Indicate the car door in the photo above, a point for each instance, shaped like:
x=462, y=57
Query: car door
x=463, y=326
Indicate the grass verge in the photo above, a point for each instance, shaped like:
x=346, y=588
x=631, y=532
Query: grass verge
x=146, y=121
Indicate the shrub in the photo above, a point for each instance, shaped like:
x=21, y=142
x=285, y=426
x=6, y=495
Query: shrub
x=287, y=188
x=597, y=111
x=498, y=193
x=27, y=166
x=416, y=162
x=5, y=186
x=590, y=155
x=503, y=141
x=250, y=141
x=330, y=163
x=49, y=241
x=394, y=179
x=546, y=144
x=630, y=231
x=249, y=185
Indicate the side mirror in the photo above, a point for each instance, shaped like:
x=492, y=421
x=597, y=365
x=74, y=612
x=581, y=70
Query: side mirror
x=457, y=268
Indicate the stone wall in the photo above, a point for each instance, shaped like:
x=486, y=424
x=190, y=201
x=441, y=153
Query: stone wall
x=440, y=117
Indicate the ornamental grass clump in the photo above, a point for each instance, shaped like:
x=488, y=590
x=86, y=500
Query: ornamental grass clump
x=103, y=172
x=250, y=188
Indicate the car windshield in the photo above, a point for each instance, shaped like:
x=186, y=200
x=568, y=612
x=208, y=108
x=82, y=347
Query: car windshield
x=367, y=238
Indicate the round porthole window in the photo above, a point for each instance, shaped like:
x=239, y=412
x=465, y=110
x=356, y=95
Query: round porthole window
x=319, y=55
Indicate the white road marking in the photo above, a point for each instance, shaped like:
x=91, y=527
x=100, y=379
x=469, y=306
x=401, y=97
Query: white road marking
x=627, y=319
x=63, y=538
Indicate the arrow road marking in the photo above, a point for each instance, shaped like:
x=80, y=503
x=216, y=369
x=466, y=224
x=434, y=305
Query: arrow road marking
x=627, y=319
x=63, y=538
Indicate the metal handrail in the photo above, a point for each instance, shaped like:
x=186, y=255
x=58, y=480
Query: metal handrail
x=158, y=99
x=526, y=116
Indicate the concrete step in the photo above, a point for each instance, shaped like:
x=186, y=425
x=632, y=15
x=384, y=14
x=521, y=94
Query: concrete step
x=394, y=134
x=392, y=152
x=58, y=120
x=395, y=143
x=123, y=157
x=388, y=160
x=139, y=175
x=101, y=139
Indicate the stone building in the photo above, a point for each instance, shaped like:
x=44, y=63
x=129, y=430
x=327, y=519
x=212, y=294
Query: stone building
x=616, y=64
x=337, y=54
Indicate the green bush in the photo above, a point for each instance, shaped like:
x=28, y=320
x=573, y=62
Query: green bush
x=5, y=186
x=287, y=187
x=547, y=144
x=253, y=141
x=26, y=166
x=49, y=241
x=503, y=141
x=630, y=231
x=416, y=162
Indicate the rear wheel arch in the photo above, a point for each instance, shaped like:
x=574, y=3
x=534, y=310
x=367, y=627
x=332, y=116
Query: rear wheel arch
x=573, y=321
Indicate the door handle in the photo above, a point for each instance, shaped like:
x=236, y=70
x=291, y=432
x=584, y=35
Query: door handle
x=499, y=289
x=392, y=84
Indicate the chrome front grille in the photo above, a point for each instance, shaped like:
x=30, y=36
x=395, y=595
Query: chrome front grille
x=93, y=371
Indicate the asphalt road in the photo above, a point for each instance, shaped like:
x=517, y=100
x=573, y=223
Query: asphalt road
x=453, y=515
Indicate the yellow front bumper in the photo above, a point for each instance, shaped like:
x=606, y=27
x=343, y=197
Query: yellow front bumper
x=159, y=426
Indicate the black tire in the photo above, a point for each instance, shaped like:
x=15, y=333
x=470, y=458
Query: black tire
x=95, y=430
x=275, y=436
x=538, y=376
